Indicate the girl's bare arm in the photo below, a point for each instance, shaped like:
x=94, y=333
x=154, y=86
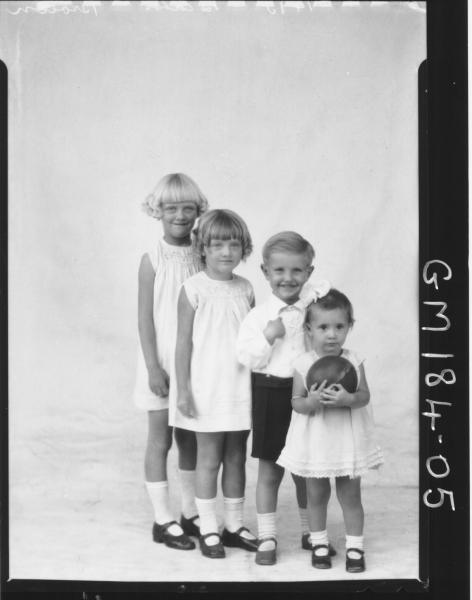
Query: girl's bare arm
x=183, y=354
x=158, y=378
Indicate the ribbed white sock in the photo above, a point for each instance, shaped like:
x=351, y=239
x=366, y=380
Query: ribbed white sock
x=159, y=495
x=233, y=508
x=304, y=519
x=356, y=542
x=208, y=521
x=187, y=487
x=266, y=527
x=318, y=538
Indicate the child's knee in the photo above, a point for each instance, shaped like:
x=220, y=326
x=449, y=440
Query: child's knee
x=235, y=460
x=160, y=444
x=318, y=492
x=348, y=493
x=209, y=466
x=270, y=477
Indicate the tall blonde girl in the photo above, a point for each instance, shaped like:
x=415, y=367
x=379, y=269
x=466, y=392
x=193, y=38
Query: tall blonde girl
x=177, y=202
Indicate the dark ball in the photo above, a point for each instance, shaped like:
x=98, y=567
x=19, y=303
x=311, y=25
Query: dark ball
x=335, y=369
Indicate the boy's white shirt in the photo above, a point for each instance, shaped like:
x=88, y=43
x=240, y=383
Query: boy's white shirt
x=254, y=351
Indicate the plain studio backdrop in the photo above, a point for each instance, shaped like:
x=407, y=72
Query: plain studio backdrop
x=305, y=119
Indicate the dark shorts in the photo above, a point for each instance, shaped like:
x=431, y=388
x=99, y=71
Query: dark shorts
x=271, y=413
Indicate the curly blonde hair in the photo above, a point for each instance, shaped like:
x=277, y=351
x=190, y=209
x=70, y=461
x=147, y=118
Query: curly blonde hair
x=221, y=224
x=175, y=187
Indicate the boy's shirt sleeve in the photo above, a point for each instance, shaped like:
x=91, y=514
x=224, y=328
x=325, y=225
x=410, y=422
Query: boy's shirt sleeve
x=252, y=348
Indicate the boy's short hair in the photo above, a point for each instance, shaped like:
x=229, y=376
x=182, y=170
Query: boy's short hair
x=289, y=242
x=221, y=224
x=331, y=301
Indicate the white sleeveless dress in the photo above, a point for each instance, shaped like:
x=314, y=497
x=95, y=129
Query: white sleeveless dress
x=332, y=442
x=220, y=384
x=172, y=266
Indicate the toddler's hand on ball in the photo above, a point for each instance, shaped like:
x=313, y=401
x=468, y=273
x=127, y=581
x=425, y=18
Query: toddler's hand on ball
x=336, y=396
x=315, y=394
x=273, y=330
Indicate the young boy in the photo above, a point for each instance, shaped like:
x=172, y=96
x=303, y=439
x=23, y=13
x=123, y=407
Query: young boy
x=270, y=337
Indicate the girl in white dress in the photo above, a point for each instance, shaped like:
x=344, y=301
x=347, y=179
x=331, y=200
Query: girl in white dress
x=176, y=202
x=331, y=432
x=213, y=389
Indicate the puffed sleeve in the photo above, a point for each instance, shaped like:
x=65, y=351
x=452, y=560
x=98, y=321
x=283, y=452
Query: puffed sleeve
x=252, y=348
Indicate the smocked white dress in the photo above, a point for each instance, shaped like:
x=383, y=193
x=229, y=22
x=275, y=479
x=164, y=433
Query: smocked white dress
x=220, y=384
x=332, y=442
x=172, y=265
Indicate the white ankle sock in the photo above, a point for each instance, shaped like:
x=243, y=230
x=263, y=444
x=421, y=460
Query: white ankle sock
x=356, y=542
x=159, y=495
x=319, y=538
x=233, y=508
x=266, y=527
x=187, y=487
x=208, y=521
x=304, y=519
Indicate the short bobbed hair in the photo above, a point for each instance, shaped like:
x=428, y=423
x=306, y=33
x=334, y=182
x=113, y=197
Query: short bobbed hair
x=221, y=224
x=288, y=242
x=175, y=187
x=332, y=300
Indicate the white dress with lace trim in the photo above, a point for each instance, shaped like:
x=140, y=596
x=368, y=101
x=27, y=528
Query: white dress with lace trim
x=332, y=442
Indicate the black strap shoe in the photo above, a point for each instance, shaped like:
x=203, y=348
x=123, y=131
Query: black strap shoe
x=189, y=527
x=214, y=551
x=266, y=557
x=355, y=565
x=320, y=561
x=306, y=544
x=161, y=535
x=236, y=540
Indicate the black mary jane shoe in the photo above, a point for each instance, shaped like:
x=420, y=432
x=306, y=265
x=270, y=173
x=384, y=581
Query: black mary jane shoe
x=214, y=551
x=306, y=545
x=161, y=535
x=236, y=540
x=355, y=565
x=323, y=561
x=189, y=527
x=266, y=557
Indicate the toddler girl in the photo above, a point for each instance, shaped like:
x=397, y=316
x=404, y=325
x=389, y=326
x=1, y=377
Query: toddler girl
x=213, y=389
x=331, y=432
x=176, y=202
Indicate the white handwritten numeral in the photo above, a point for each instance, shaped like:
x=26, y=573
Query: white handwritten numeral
x=433, y=414
x=439, y=314
x=434, y=276
x=441, y=499
x=439, y=457
x=433, y=379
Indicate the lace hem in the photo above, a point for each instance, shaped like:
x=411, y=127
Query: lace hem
x=372, y=462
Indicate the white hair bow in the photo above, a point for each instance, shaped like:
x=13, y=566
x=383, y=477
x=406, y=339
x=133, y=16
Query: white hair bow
x=312, y=291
